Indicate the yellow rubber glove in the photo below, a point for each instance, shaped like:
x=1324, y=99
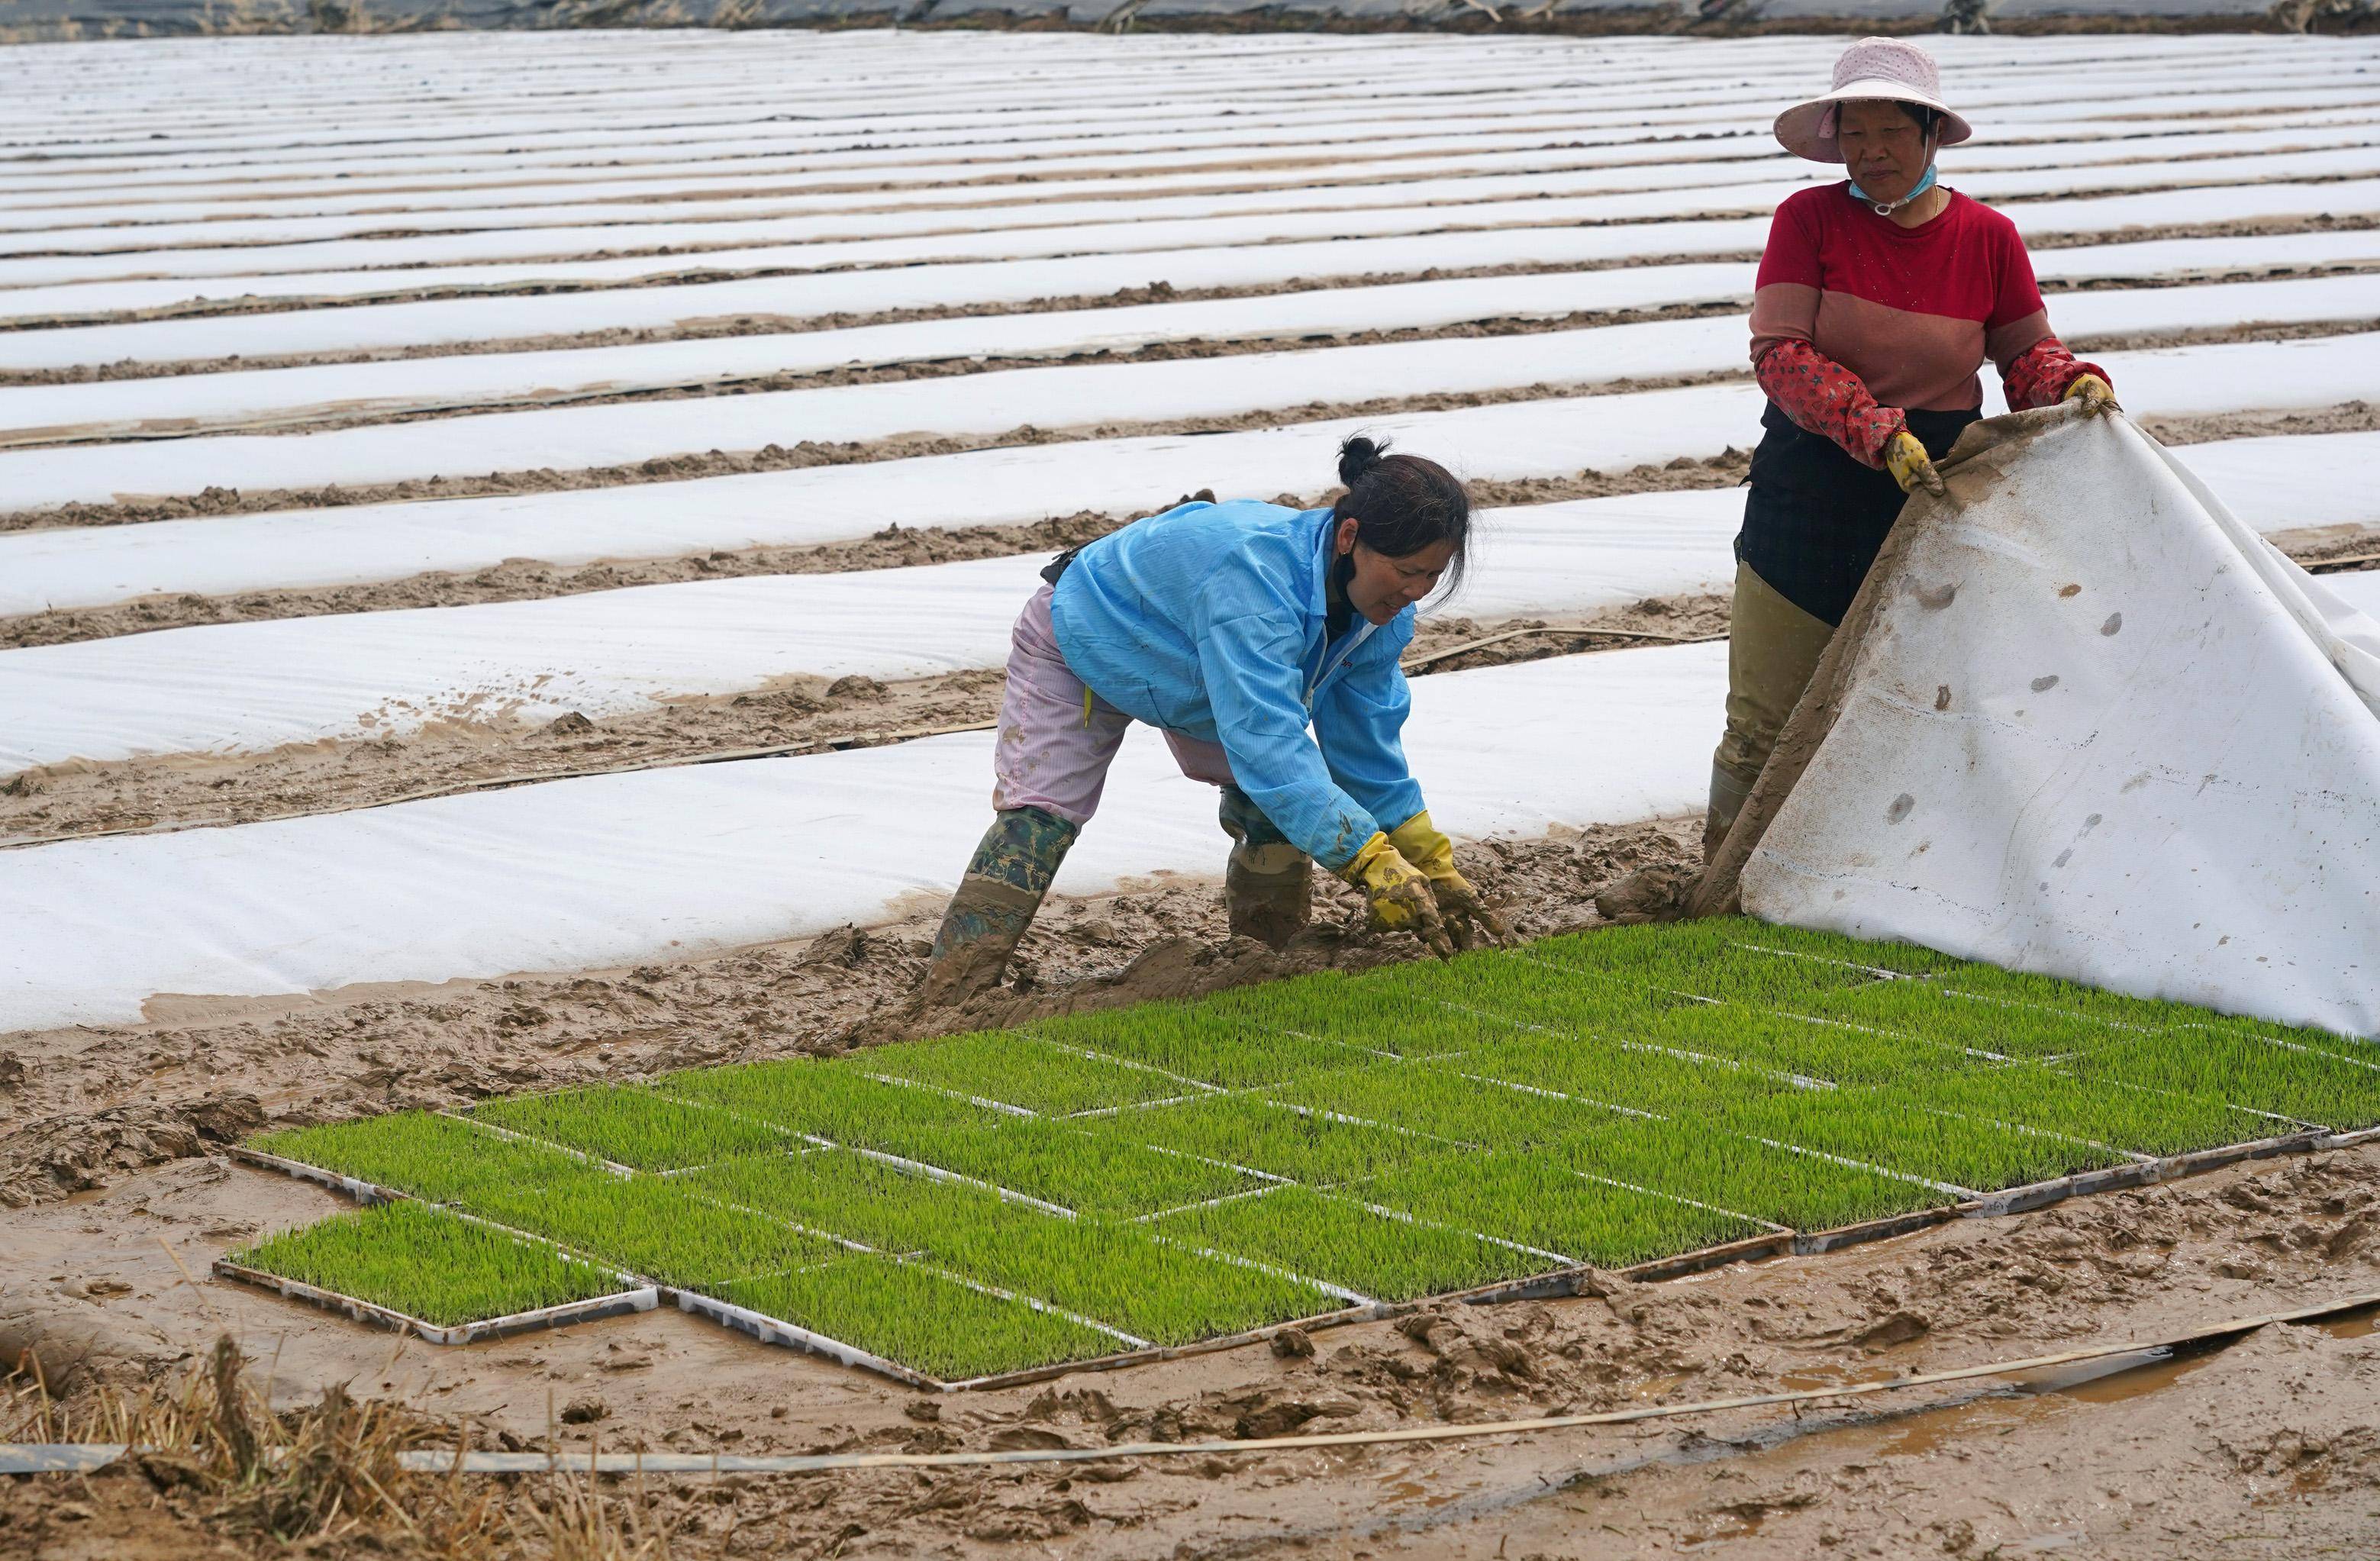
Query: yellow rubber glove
x=1397, y=895
x=1468, y=920
x=1906, y=459
x=2097, y=396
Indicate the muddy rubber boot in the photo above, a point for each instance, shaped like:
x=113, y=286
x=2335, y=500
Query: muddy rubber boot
x=1728, y=796
x=1003, y=888
x=1268, y=883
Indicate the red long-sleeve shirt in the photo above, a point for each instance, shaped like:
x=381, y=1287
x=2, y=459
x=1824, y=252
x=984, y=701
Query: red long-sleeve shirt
x=1855, y=318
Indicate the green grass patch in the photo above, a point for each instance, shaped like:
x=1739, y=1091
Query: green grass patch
x=1222, y=1042
x=1625, y=1076
x=2053, y=1099
x=835, y=1101
x=1442, y=1101
x=1088, y=1166
x=1116, y=1274
x=1907, y=1132
x=1258, y=1133
x=2314, y=1087
x=1742, y=1175
x=1340, y=1243
x=1541, y=1202
x=1028, y=1070
x=1616, y=1097
x=917, y=1319
x=651, y=1226
x=427, y=1263
x=632, y=1127
x=426, y=1155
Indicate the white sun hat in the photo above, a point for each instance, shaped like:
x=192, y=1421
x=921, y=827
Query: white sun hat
x=1892, y=68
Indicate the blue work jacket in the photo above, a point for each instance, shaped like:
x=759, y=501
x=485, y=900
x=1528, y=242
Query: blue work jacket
x=1208, y=620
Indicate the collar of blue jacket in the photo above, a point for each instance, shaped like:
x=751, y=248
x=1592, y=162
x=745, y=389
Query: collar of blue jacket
x=1210, y=620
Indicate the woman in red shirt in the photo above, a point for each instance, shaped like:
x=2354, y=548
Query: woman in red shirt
x=1877, y=301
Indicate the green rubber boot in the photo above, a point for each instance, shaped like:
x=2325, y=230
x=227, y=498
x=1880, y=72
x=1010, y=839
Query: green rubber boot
x=1268, y=883
x=1003, y=887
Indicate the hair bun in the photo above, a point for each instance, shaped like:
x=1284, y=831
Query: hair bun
x=1357, y=456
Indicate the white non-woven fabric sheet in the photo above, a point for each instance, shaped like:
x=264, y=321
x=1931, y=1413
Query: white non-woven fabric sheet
x=440, y=321
x=2142, y=753
x=247, y=688
x=2298, y=482
x=2183, y=381
x=179, y=406
x=662, y=863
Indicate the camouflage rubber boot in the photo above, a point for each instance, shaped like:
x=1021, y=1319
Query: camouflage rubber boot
x=1269, y=883
x=1003, y=886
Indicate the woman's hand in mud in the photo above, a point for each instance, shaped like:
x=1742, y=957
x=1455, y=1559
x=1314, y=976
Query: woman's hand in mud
x=1470, y=922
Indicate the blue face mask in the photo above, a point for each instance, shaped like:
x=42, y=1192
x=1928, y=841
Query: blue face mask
x=1887, y=207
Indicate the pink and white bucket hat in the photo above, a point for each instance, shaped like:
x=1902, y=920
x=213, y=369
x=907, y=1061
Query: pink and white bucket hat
x=1873, y=68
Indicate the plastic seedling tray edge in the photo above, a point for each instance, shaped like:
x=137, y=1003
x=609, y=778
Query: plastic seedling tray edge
x=635, y=1297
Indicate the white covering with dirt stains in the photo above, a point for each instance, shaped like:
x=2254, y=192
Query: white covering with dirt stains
x=2100, y=730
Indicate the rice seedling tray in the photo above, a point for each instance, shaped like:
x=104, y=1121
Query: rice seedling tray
x=442, y=1277
x=625, y=1302
x=1134, y=1185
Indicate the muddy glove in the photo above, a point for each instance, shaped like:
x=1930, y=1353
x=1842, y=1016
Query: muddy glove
x=1906, y=459
x=1469, y=921
x=1397, y=896
x=2097, y=396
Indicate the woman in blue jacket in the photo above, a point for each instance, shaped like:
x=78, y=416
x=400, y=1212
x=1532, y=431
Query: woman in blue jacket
x=1231, y=628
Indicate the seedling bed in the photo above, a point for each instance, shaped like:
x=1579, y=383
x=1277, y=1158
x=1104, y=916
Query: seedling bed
x=427, y=1260
x=1183, y=1176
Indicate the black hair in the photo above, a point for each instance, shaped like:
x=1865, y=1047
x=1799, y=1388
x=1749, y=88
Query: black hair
x=1403, y=504
x=1919, y=116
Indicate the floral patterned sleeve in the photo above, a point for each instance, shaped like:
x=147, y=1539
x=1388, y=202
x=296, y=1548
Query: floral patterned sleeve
x=1827, y=399
x=2042, y=373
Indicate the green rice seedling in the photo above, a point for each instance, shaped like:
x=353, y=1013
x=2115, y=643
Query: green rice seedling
x=1446, y=1103
x=1367, y=1016
x=421, y=1154
x=652, y=1226
x=1687, y=1159
x=1901, y=1131
x=832, y=1100
x=1023, y=1070
x=1112, y=1272
x=631, y=1126
x=1083, y=1165
x=1211, y=1043
x=1123, y=1275
x=1811, y=1048
x=1538, y=1202
x=2052, y=1099
x=1870, y=954
x=841, y=1192
x=1259, y=1135
x=1342, y=1243
x=2309, y=1086
x=1924, y=1011
x=918, y=1319
x=428, y=1265
x=1622, y=1076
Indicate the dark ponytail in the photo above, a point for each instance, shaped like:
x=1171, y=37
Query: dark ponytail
x=1403, y=504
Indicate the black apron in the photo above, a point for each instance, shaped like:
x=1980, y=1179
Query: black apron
x=1816, y=517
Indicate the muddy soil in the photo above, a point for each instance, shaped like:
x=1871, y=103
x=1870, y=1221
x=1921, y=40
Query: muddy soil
x=2264, y=1448
x=794, y=714
x=87, y=1103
